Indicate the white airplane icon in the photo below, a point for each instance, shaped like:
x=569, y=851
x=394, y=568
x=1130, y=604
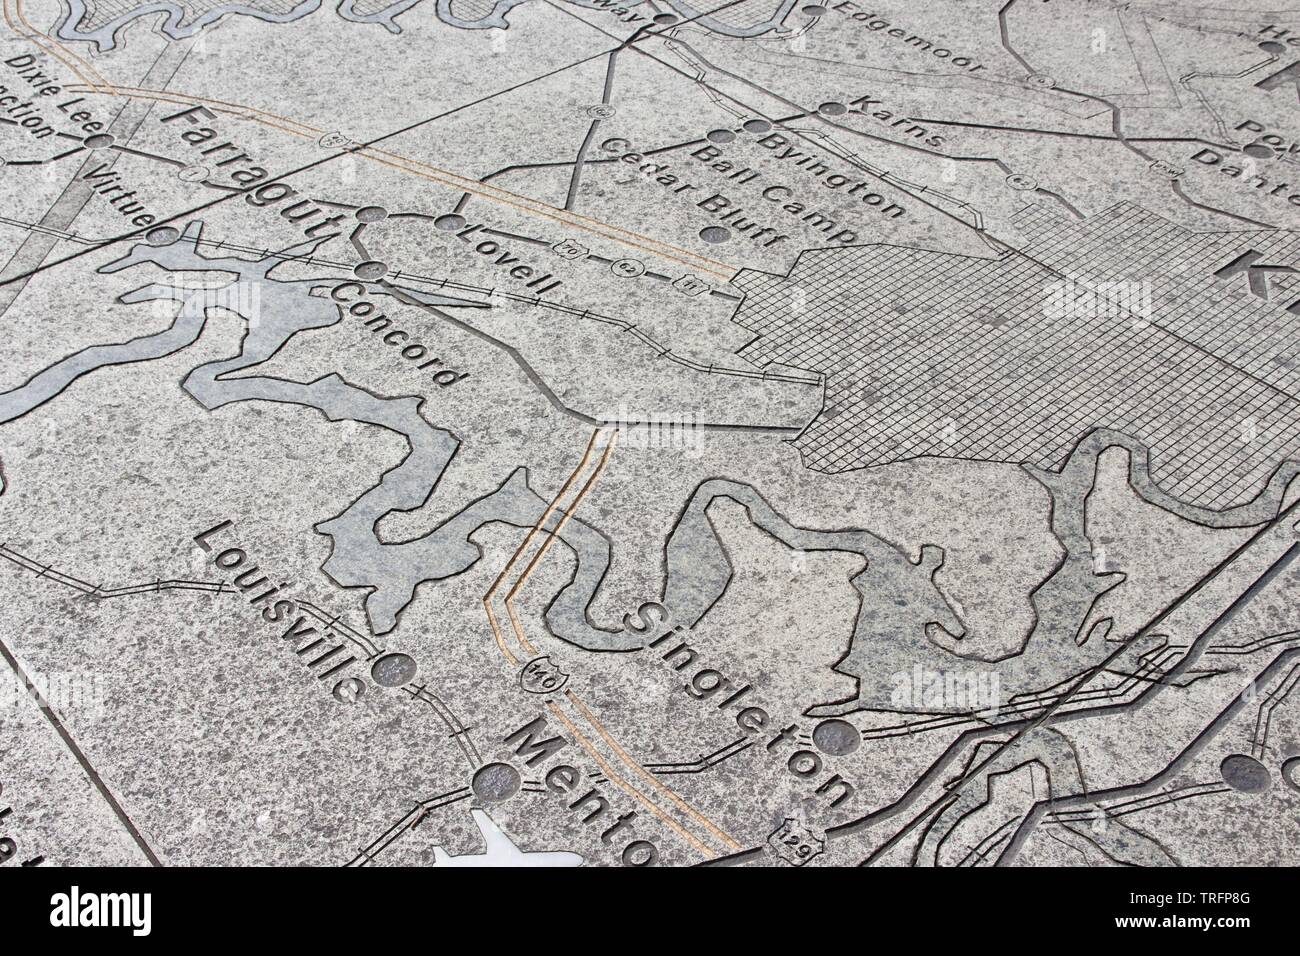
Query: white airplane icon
x=501, y=850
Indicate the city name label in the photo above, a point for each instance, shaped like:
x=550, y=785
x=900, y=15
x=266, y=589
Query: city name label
x=41, y=84
x=321, y=657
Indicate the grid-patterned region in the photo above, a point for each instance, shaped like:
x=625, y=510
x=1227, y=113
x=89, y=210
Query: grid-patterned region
x=927, y=353
x=368, y=8
x=747, y=13
x=471, y=11
x=101, y=12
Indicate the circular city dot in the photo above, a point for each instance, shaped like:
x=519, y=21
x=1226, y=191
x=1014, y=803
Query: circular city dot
x=162, y=236
x=1258, y=151
x=756, y=126
x=665, y=19
x=394, y=670
x=836, y=737
x=719, y=136
x=1291, y=773
x=812, y=10
x=715, y=233
x=495, y=782
x=371, y=214
x=450, y=222
x=1243, y=772
x=370, y=270
x=99, y=141
x=832, y=109
x=192, y=174
x=1272, y=46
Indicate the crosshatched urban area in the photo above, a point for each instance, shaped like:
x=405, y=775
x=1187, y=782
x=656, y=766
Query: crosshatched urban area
x=650, y=433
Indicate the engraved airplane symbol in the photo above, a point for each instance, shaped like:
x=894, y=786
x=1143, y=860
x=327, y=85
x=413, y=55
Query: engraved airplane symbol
x=501, y=850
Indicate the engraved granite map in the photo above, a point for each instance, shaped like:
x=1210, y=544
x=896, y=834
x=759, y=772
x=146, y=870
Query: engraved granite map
x=567, y=433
